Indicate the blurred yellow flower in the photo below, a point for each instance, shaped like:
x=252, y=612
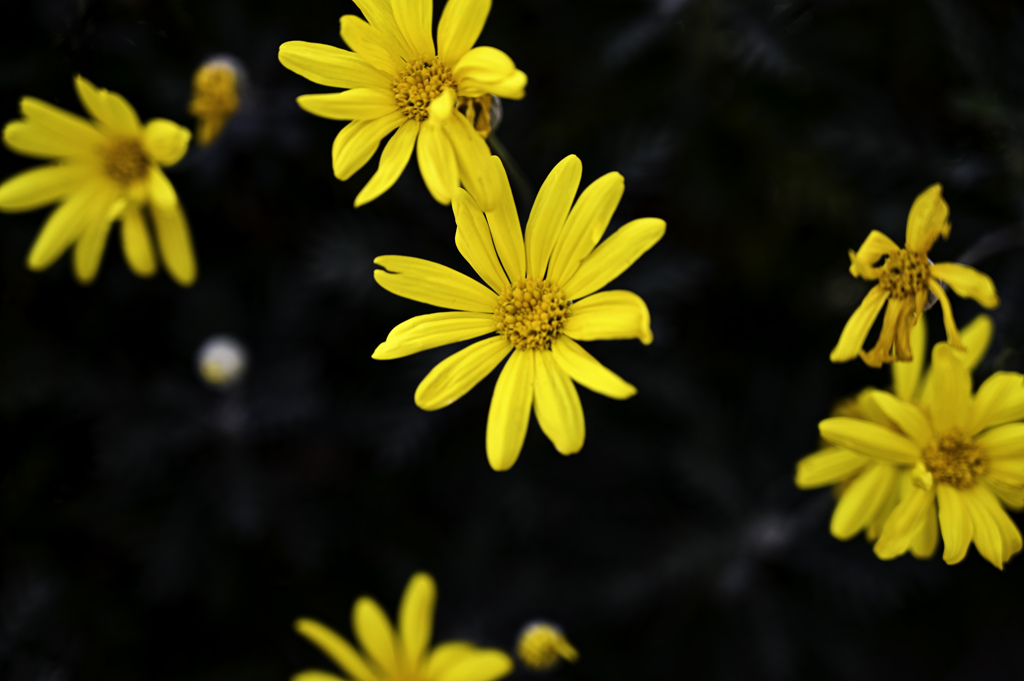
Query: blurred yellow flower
x=541, y=296
x=395, y=81
x=403, y=654
x=215, y=97
x=541, y=645
x=905, y=279
x=104, y=170
x=966, y=455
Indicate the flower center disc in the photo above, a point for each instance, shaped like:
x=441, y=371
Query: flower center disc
x=125, y=161
x=905, y=274
x=955, y=460
x=420, y=83
x=531, y=314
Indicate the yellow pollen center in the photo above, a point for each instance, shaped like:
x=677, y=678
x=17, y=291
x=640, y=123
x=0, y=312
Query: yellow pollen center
x=904, y=274
x=955, y=460
x=125, y=161
x=418, y=84
x=531, y=314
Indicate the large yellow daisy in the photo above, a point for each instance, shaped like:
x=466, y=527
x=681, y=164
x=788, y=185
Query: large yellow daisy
x=966, y=454
x=395, y=81
x=906, y=278
x=403, y=654
x=541, y=297
x=103, y=171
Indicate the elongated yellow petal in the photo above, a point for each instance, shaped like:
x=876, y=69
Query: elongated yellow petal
x=506, y=229
x=851, y=340
x=437, y=162
x=64, y=226
x=610, y=315
x=899, y=530
x=172, y=234
x=485, y=65
x=614, y=256
x=432, y=331
x=876, y=246
x=369, y=43
x=34, y=142
x=40, y=186
x=557, y=404
x=109, y=108
x=1004, y=441
x=987, y=537
x=393, y=161
x=926, y=536
x=928, y=220
x=351, y=105
x=428, y=282
x=583, y=368
x=444, y=655
x=906, y=376
x=455, y=376
x=415, y=19
x=512, y=87
x=473, y=239
x=376, y=636
x=481, y=664
x=547, y=218
x=951, y=380
x=955, y=523
x=998, y=519
x=952, y=333
x=331, y=66
x=460, y=27
x=509, y=415
x=416, y=617
x=967, y=282
x=161, y=192
x=165, y=141
x=861, y=500
x=997, y=389
x=585, y=225
x=473, y=156
x=869, y=439
x=357, y=142
x=828, y=466
x=908, y=417
x=382, y=17
x=88, y=253
x=335, y=647
x=136, y=243
x=73, y=133
x=315, y=675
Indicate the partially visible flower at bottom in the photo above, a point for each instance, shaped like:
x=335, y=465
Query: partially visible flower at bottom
x=541, y=645
x=403, y=654
x=216, y=96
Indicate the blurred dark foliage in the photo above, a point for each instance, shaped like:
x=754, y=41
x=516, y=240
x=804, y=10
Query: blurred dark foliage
x=153, y=527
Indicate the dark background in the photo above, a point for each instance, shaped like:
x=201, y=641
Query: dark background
x=153, y=527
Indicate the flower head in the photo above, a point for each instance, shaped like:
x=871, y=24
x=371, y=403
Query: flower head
x=222, y=361
x=396, y=81
x=906, y=278
x=402, y=654
x=103, y=170
x=541, y=645
x=542, y=295
x=215, y=96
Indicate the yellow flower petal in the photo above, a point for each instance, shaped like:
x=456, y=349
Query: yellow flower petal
x=172, y=235
x=473, y=156
x=416, y=617
x=136, y=243
x=40, y=186
x=851, y=340
x=926, y=536
x=370, y=44
x=869, y=439
x=376, y=636
x=585, y=225
x=828, y=466
x=161, y=192
x=109, y=108
x=906, y=376
x=506, y=229
x=428, y=282
x=861, y=500
x=473, y=239
x=382, y=18
x=928, y=220
x=550, y=209
x=1008, y=532
x=951, y=380
x=511, y=87
x=351, y=105
x=65, y=224
x=614, y=256
x=583, y=368
x=610, y=315
x=976, y=337
x=875, y=247
x=335, y=647
x=908, y=417
x=358, y=141
x=900, y=529
x=484, y=65
x=955, y=523
x=485, y=664
x=509, y=415
x=393, y=161
x=437, y=162
x=315, y=675
x=952, y=333
x=331, y=66
x=967, y=282
x=557, y=404
x=432, y=331
x=73, y=133
x=89, y=247
x=444, y=655
x=460, y=26
x=997, y=389
x=415, y=19
x=894, y=323
x=165, y=141
x=995, y=535
x=1006, y=441
x=455, y=376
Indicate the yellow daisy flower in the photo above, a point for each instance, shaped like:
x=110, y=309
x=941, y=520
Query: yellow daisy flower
x=966, y=453
x=541, y=297
x=215, y=97
x=867, y=490
x=542, y=645
x=104, y=170
x=905, y=279
x=403, y=654
x=395, y=81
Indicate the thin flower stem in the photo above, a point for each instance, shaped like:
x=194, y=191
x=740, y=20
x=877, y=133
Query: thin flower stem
x=523, y=185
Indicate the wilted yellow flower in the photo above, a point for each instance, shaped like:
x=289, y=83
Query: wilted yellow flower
x=215, y=97
x=966, y=454
x=905, y=279
x=540, y=297
x=396, y=81
x=541, y=645
x=104, y=170
x=403, y=654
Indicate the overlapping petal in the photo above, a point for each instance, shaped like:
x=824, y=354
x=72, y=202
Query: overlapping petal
x=509, y=413
x=610, y=315
x=331, y=66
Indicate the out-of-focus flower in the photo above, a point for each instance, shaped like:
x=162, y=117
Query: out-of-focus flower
x=222, y=361
x=216, y=86
x=104, y=170
x=966, y=454
x=905, y=279
x=867, y=490
x=542, y=644
x=395, y=81
x=540, y=298
x=403, y=654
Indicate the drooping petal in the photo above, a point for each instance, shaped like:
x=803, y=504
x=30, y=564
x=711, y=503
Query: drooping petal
x=928, y=220
x=952, y=333
x=64, y=226
x=371, y=44
x=557, y=405
x=955, y=523
x=40, y=186
x=906, y=376
x=506, y=229
x=432, y=331
x=89, y=247
x=926, y=537
x=331, y=66
x=990, y=398
x=480, y=664
x=610, y=315
x=136, y=243
x=376, y=636
x=851, y=340
x=393, y=161
x=509, y=415
x=357, y=104
x=381, y=16
x=484, y=65
x=335, y=647
x=473, y=157
x=899, y=530
x=951, y=381
x=614, y=256
x=583, y=368
x=165, y=141
x=428, y=282
x=473, y=239
x=172, y=235
x=547, y=218
x=585, y=225
x=109, y=108
x=828, y=466
x=1007, y=530
x=460, y=26
x=455, y=376
x=357, y=142
x=511, y=87
x=907, y=416
x=967, y=282
x=893, y=321
x=438, y=165
x=861, y=500
x=987, y=536
x=415, y=19
x=416, y=617
x=869, y=439
x=876, y=246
